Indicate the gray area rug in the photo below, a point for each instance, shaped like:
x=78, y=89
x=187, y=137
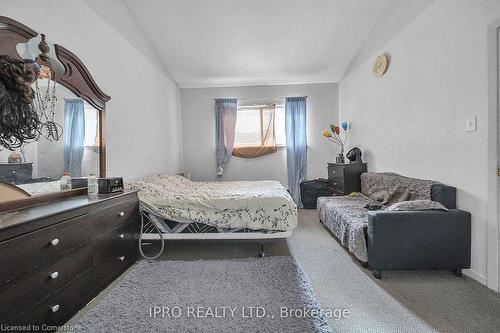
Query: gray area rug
x=233, y=295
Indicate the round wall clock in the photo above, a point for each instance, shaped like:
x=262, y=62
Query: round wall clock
x=380, y=66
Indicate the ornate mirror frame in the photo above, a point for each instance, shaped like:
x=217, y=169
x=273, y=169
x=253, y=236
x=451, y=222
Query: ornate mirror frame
x=75, y=78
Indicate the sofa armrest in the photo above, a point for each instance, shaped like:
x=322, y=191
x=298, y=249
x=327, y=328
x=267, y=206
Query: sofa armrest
x=445, y=195
x=401, y=240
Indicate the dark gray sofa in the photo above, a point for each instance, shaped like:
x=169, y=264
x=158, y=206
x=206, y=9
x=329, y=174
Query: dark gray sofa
x=400, y=240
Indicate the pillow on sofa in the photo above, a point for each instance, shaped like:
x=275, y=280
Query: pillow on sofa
x=416, y=205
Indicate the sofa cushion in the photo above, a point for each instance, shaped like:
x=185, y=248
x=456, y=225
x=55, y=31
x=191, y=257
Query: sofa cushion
x=389, y=188
x=416, y=205
x=347, y=217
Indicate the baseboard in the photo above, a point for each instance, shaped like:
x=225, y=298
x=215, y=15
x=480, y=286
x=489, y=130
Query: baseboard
x=475, y=276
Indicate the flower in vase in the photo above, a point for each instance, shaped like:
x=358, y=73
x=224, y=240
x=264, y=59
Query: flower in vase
x=338, y=137
x=326, y=134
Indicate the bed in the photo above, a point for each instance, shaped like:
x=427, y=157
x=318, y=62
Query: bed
x=183, y=209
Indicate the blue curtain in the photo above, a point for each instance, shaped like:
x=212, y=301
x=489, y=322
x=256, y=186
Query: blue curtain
x=225, y=125
x=296, y=144
x=74, y=134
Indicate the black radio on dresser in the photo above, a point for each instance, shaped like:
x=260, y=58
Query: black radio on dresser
x=345, y=178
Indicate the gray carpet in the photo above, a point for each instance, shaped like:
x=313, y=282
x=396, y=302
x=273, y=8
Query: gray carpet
x=231, y=295
x=421, y=301
x=401, y=302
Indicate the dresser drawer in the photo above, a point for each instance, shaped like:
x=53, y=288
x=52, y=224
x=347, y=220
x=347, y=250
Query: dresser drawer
x=115, y=243
x=115, y=216
x=27, y=252
x=59, y=307
x=106, y=270
x=24, y=292
x=337, y=185
x=336, y=171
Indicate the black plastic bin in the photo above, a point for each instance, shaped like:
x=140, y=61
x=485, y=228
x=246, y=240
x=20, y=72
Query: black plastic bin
x=311, y=190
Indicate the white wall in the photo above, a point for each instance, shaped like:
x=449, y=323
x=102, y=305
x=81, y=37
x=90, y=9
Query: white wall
x=198, y=128
x=143, y=116
x=412, y=120
x=397, y=15
x=119, y=17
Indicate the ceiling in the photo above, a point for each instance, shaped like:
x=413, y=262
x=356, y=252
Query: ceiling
x=205, y=43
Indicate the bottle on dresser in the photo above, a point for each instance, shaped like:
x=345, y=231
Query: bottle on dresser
x=65, y=182
x=92, y=184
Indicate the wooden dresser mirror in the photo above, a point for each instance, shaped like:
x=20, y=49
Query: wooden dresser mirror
x=66, y=117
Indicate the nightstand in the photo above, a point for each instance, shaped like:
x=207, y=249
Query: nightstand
x=345, y=178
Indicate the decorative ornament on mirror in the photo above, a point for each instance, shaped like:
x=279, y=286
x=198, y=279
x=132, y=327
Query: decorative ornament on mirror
x=336, y=136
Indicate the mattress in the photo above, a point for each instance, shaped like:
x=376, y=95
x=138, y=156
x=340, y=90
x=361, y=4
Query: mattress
x=253, y=205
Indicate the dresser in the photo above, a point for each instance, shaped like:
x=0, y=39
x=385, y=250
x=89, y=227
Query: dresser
x=57, y=257
x=16, y=173
x=345, y=178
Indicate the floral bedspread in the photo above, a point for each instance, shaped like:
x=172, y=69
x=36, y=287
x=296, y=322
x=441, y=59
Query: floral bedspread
x=232, y=204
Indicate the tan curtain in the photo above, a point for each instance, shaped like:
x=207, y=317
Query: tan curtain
x=259, y=141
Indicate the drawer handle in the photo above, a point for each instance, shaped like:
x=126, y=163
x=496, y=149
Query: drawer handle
x=122, y=236
x=54, y=308
x=54, y=275
x=122, y=258
x=54, y=242
x=121, y=214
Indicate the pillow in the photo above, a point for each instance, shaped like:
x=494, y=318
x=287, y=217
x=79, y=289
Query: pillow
x=416, y=205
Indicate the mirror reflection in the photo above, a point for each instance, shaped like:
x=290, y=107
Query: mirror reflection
x=63, y=138
x=71, y=146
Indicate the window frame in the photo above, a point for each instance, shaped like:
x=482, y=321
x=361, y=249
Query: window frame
x=86, y=107
x=260, y=108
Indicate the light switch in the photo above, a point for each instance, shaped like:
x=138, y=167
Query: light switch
x=471, y=124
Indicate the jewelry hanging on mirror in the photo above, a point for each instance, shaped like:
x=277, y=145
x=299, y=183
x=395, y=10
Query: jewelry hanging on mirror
x=45, y=100
x=45, y=103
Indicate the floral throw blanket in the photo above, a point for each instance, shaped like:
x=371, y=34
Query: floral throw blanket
x=233, y=204
x=347, y=218
x=388, y=188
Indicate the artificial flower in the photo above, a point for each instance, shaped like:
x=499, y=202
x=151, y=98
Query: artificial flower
x=326, y=134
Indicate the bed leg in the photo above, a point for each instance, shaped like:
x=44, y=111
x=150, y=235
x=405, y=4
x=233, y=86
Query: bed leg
x=262, y=253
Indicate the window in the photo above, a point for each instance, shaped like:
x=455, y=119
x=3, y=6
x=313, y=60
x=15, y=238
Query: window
x=279, y=125
x=91, y=121
x=253, y=122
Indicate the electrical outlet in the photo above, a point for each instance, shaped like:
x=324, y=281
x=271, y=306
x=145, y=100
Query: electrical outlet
x=471, y=124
